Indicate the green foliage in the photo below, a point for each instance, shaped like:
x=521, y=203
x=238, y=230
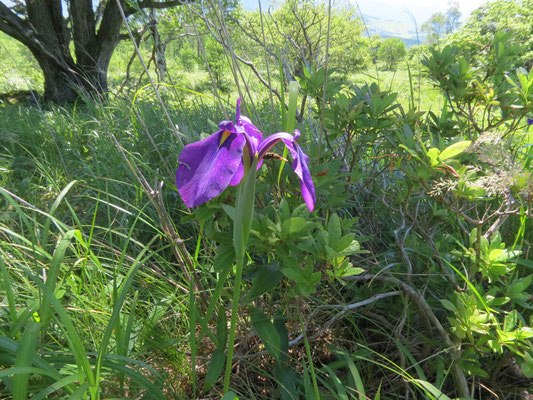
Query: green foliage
x=514, y=17
x=494, y=95
x=391, y=52
x=441, y=24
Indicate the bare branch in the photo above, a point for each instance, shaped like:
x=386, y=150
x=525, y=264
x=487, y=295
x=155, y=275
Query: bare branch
x=161, y=4
x=344, y=308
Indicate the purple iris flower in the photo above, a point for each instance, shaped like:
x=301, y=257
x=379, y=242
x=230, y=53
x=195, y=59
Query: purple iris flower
x=530, y=121
x=209, y=166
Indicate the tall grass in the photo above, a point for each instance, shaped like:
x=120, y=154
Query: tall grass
x=85, y=265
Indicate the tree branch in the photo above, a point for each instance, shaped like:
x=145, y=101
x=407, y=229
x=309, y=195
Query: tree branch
x=83, y=26
x=160, y=4
x=21, y=30
x=14, y=26
x=344, y=308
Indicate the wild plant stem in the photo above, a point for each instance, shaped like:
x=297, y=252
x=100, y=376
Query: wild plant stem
x=244, y=209
x=233, y=320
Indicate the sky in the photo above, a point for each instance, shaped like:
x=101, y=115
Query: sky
x=422, y=10
x=396, y=10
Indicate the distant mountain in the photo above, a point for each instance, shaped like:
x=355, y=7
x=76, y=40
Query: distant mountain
x=386, y=28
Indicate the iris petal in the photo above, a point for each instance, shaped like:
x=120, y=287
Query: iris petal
x=299, y=165
x=270, y=141
x=207, y=167
x=245, y=126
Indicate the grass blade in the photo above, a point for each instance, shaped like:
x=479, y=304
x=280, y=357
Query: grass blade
x=24, y=356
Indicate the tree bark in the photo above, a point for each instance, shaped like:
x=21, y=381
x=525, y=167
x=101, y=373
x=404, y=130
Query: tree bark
x=70, y=82
x=159, y=49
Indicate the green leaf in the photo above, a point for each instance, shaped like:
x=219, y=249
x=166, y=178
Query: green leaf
x=216, y=365
x=433, y=155
x=511, y=321
x=353, y=248
x=343, y=242
x=315, y=277
x=284, y=210
x=25, y=353
x=230, y=396
x=286, y=378
x=350, y=271
x=339, y=386
x=295, y=274
x=355, y=376
x=497, y=255
x=229, y=210
x=279, y=323
x=301, y=211
x=292, y=226
x=267, y=332
x=527, y=368
x=454, y=150
x=429, y=388
x=75, y=342
x=53, y=272
x=518, y=287
x=334, y=229
x=224, y=259
x=222, y=328
x=448, y=305
x=412, y=152
x=8, y=290
x=267, y=279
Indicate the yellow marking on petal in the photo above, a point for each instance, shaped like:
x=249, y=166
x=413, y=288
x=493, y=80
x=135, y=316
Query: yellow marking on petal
x=225, y=135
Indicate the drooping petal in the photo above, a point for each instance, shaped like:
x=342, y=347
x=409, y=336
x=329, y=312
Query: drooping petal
x=301, y=168
x=240, y=173
x=207, y=167
x=270, y=141
x=299, y=165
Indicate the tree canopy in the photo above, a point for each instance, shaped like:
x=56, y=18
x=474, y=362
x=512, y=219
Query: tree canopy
x=391, y=51
x=513, y=17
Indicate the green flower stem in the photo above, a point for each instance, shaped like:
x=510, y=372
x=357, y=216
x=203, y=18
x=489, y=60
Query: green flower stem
x=244, y=208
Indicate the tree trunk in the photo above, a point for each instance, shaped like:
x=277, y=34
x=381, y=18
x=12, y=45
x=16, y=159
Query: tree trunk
x=67, y=83
x=50, y=34
x=159, y=48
